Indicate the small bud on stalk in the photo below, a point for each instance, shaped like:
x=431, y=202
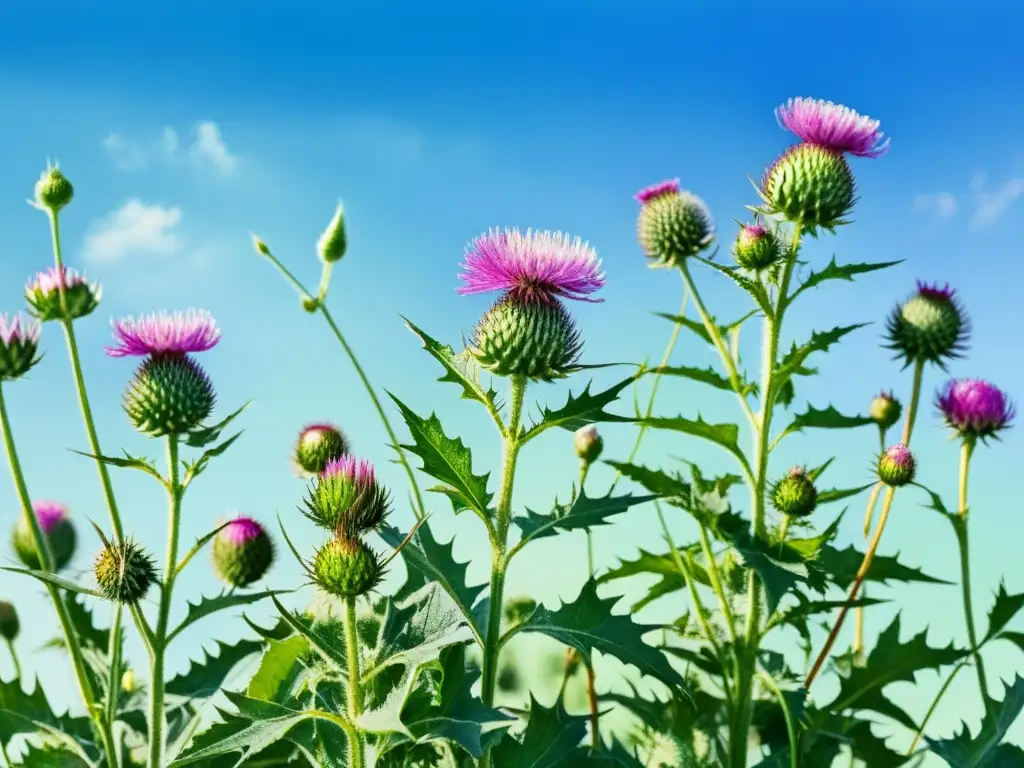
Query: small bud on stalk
x=124, y=572
x=756, y=248
x=673, y=224
x=333, y=242
x=346, y=568
x=242, y=552
x=53, y=191
x=896, y=466
x=929, y=327
x=347, y=499
x=9, y=624
x=43, y=294
x=57, y=529
x=588, y=444
x=19, y=346
x=795, y=494
x=885, y=410
x=318, y=445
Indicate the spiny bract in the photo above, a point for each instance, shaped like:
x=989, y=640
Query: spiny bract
x=170, y=394
x=124, y=572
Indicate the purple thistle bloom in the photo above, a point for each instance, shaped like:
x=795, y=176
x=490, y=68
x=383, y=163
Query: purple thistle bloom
x=49, y=280
x=667, y=187
x=17, y=330
x=833, y=127
x=531, y=266
x=753, y=231
x=360, y=471
x=943, y=292
x=241, y=530
x=900, y=456
x=975, y=408
x=49, y=514
x=163, y=332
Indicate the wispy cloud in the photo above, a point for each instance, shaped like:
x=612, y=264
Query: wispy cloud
x=942, y=205
x=208, y=150
x=985, y=204
x=134, y=229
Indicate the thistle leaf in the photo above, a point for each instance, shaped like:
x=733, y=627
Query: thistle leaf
x=648, y=563
x=987, y=749
x=195, y=468
x=551, y=735
x=202, y=437
x=208, y=606
x=834, y=271
x=204, y=678
x=279, y=667
x=829, y=418
x=1004, y=609
x=707, y=376
x=792, y=363
x=126, y=462
x=725, y=435
x=584, y=514
x=755, y=289
x=28, y=712
x=580, y=410
x=842, y=565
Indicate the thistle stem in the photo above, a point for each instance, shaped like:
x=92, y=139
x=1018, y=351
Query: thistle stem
x=114, y=655
x=935, y=705
x=357, y=751
x=584, y=471
x=491, y=649
x=595, y=731
x=14, y=659
x=42, y=546
x=960, y=524
x=156, y=682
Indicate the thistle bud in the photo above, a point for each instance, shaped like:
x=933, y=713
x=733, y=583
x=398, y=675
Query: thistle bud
x=43, y=294
x=53, y=191
x=332, y=243
x=261, y=247
x=318, y=445
x=9, y=624
x=19, y=347
x=885, y=410
x=124, y=572
x=588, y=444
x=929, y=327
x=346, y=567
x=756, y=248
x=347, y=499
x=810, y=185
x=795, y=494
x=242, y=552
x=518, y=609
x=56, y=528
x=673, y=224
x=170, y=394
x=309, y=304
x=896, y=466
x=128, y=682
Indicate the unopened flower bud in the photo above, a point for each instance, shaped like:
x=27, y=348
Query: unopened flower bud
x=673, y=224
x=56, y=528
x=896, y=466
x=929, y=327
x=128, y=682
x=43, y=294
x=318, y=445
x=170, y=394
x=261, y=247
x=53, y=191
x=756, y=248
x=885, y=410
x=588, y=444
x=19, y=346
x=332, y=243
x=309, y=304
x=795, y=494
x=124, y=572
x=346, y=567
x=9, y=624
x=242, y=552
x=346, y=497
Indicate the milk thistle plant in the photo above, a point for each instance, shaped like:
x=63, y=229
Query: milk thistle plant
x=425, y=676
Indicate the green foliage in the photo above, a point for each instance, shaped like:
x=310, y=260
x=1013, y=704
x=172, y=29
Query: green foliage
x=987, y=749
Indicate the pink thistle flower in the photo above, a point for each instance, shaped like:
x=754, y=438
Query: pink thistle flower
x=975, y=408
x=50, y=514
x=42, y=292
x=654, y=191
x=833, y=127
x=359, y=471
x=241, y=530
x=15, y=330
x=535, y=266
x=175, y=333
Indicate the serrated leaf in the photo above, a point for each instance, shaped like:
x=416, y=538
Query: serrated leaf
x=986, y=750
x=50, y=756
x=319, y=641
x=838, y=494
x=725, y=435
x=807, y=608
x=1004, y=609
x=447, y=460
x=792, y=363
x=195, y=468
x=126, y=462
x=872, y=749
x=842, y=566
x=584, y=514
x=456, y=371
x=588, y=624
x=85, y=629
x=25, y=712
x=691, y=325
x=200, y=438
x=53, y=579
x=550, y=736
x=204, y=678
x=834, y=271
x=210, y=605
x=707, y=376
x=753, y=288
x=278, y=669
x=648, y=563
x=829, y=418
x=581, y=410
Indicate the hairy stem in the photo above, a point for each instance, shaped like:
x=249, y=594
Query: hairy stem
x=114, y=655
x=357, y=752
x=156, y=682
x=584, y=471
x=966, y=451
x=42, y=546
x=15, y=662
x=491, y=649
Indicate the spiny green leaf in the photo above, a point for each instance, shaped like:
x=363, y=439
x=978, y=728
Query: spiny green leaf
x=792, y=363
x=690, y=325
x=672, y=489
x=834, y=271
x=829, y=418
x=1005, y=607
x=203, y=436
x=838, y=494
x=936, y=505
x=807, y=608
x=195, y=468
x=85, y=629
x=127, y=462
x=755, y=289
x=647, y=563
x=457, y=371
x=872, y=749
x=986, y=750
x=58, y=581
x=580, y=410
x=204, y=678
x=725, y=435
x=279, y=666
x=1017, y=638
x=588, y=624
x=320, y=642
x=842, y=566
x=210, y=605
x=585, y=513
x=707, y=376
x=550, y=736
x=447, y=460
x=50, y=756
x=25, y=712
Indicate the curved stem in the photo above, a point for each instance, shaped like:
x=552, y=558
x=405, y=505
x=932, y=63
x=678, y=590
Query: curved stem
x=966, y=451
x=357, y=751
x=791, y=732
x=716, y=583
x=869, y=516
x=156, y=678
x=42, y=546
x=14, y=659
x=935, y=705
x=420, y=509
x=492, y=647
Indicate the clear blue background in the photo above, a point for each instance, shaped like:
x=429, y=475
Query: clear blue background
x=435, y=125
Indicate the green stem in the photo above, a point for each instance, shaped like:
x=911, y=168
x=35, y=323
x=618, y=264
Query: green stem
x=491, y=649
x=584, y=471
x=791, y=732
x=42, y=546
x=420, y=509
x=966, y=451
x=156, y=681
x=357, y=752
x=716, y=583
x=114, y=655
x=14, y=660
x=935, y=705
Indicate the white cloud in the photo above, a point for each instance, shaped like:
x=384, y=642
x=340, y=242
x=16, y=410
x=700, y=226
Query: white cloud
x=985, y=204
x=990, y=205
x=208, y=150
x=134, y=229
x=943, y=205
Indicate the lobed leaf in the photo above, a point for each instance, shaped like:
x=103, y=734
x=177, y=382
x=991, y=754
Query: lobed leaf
x=126, y=462
x=551, y=735
x=829, y=418
x=725, y=435
x=707, y=376
x=581, y=410
x=987, y=749
x=842, y=565
x=584, y=513
x=834, y=271
x=208, y=606
x=792, y=363
x=754, y=289
x=195, y=468
x=26, y=712
x=204, y=678
x=202, y=437
x=1003, y=611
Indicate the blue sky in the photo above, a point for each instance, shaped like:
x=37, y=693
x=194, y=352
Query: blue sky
x=184, y=131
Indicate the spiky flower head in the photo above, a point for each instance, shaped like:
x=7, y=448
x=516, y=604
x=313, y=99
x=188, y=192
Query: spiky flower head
x=165, y=332
x=975, y=408
x=795, y=494
x=809, y=185
x=588, y=444
x=43, y=294
x=833, y=127
x=517, y=609
x=53, y=191
x=534, y=339
x=124, y=572
x=673, y=224
x=885, y=410
x=535, y=266
x=346, y=497
x=347, y=567
x=319, y=444
x=58, y=530
x=9, y=624
x=19, y=345
x=896, y=466
x=756, y=247
x=333, y=242
x=170, y=394
x=929, y=327
x=242, y=552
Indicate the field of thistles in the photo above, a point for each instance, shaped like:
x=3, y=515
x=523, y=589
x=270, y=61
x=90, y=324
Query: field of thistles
x=428, y=674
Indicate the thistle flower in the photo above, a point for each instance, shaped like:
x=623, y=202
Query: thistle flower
x=332, y=243
x=9, y=624
x=57, y=529
x=124, y=572
x=242, y=552
x=588, y=444
x=809, y=185
x=795, y=494
x=346, y=498
x=897, y=466
x=162, y=332
x=43, y=294
x=53, y=191
x=170, y=394
x=19, y=344
x=756, y=247
x=975, y=408
x=535, y=266
x=929, y=327
x=319, y=444
x=833, y=127
x=346, y=567
x=885, y=410
x=673, y=224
